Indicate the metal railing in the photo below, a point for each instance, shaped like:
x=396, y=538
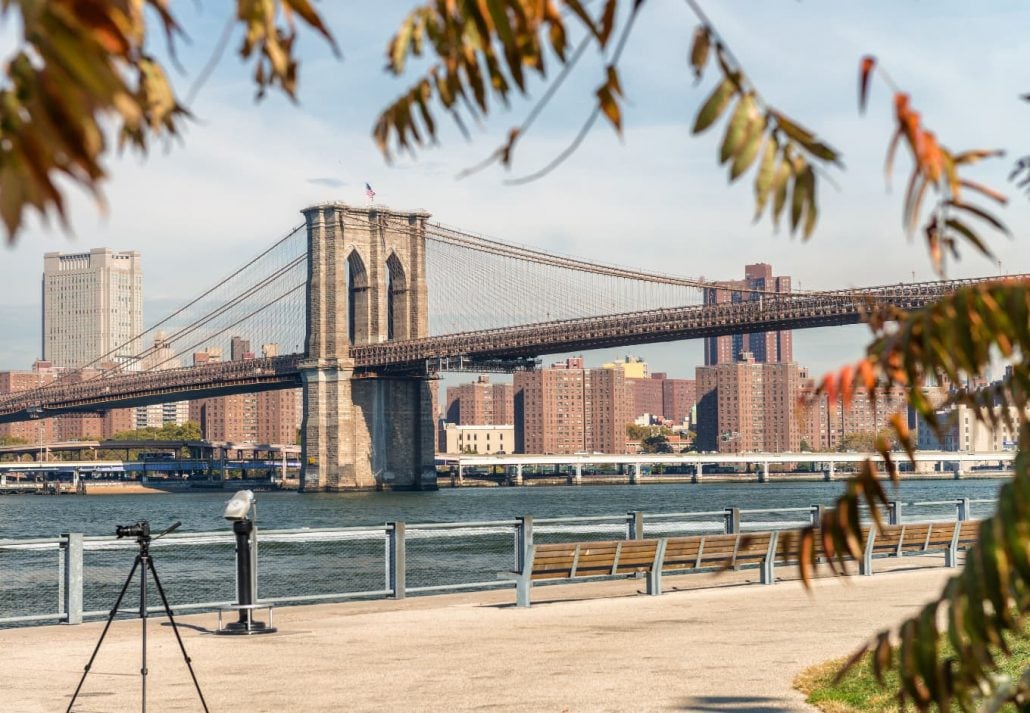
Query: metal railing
x=71, y=578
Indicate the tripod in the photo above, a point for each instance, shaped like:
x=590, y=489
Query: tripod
x=144, y=562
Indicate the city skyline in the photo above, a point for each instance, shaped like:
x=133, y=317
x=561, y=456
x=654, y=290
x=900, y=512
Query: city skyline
x=205, y=204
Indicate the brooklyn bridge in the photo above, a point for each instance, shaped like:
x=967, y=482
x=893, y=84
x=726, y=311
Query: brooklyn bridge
x=363, y=306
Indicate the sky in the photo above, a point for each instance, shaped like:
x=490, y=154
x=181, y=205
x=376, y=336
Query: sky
x=654, y=199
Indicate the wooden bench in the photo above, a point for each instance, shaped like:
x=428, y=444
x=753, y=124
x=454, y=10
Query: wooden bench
x=789, y=541
x=568, y=561
x=584, y=560
x=696, y=553
x=919, y=538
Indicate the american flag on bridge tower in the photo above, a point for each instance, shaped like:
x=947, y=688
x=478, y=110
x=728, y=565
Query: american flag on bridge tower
x=369, y=193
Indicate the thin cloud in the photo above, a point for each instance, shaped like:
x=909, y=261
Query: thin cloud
x=328, y=181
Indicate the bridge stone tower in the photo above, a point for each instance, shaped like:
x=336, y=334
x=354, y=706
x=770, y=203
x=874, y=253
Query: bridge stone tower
x=366, y=284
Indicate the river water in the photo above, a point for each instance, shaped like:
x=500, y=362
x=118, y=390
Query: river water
x=48, y=516
x=300, y=565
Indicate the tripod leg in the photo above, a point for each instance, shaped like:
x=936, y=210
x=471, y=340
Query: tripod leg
x=171, y=619
x=110, y=618
x=145, y=558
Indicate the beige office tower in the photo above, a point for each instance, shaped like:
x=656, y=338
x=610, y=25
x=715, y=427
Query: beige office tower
x=92, y=306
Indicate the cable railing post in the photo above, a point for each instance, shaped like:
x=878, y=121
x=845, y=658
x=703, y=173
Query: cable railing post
x=962, y=506
x=523, y=541
x=732, y=517
x=72, y=583
x=635, y=525
x=817, y=514
x=894, y=512
x=396, y=564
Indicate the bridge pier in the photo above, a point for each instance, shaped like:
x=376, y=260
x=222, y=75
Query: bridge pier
x=518, y=474
x=698, y=474
x=763, y=474
x=828, y=474
x=366, y=285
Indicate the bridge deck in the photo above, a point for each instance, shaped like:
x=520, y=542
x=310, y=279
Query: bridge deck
x=787, y=311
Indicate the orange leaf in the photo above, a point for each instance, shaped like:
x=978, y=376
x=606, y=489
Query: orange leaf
x=865, y=69
x=865, y=370
x=846, y=384
x=829, y=387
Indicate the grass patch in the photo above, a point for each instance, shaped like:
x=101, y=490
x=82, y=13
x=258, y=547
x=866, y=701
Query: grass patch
x=859, y=692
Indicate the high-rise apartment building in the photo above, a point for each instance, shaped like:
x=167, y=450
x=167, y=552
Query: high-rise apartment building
x=568, y=409
x=480, y=403
x=678, y=398
x=747, y=406
x=264, y=417
x=92, y=306
x=765, y=347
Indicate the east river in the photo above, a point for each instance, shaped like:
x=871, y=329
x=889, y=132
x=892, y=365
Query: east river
x=48, y=516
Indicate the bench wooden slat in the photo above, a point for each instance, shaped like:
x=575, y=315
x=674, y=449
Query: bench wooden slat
x=969, y=533
x=941, y=534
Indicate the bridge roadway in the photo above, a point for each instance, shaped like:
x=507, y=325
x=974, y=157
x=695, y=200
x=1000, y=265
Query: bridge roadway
x=482, y=349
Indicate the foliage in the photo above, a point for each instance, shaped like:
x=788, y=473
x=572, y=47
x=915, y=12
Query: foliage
x=483, y=49
x=866, y=441
x=804, y=447
x=949, y=341
x=935, y=167
x=655, y=443
x=636, y=432
x=12, y=441
x=860, y=691
x=83, y=65
x=189, y=431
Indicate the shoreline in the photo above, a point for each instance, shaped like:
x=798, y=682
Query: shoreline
x=102, y=488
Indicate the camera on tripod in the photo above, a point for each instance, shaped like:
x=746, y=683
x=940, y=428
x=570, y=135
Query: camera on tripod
x=140, y=530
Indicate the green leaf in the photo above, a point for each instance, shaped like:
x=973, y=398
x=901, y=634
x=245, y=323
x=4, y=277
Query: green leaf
x=779, y=189
x=749, y=148
x=811, y=211
x=806, y=138
x=982, y=214
x=737, y=130
x=971, y=237
x=764, y=179
x=800, y=195
x=715, y=105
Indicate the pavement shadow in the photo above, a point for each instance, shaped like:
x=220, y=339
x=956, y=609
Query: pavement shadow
x=751, y=704
x=181, y=625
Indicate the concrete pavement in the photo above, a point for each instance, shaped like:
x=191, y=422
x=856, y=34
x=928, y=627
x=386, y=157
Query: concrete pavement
x=713, y=645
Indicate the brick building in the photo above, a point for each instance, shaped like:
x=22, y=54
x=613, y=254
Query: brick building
x=69, y=427
x=747, y=406
x=568, y=408
x=480, y=403
x=765, y=347
x=263, y=417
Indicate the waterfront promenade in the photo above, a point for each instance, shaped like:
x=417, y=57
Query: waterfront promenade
x=585, y=647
